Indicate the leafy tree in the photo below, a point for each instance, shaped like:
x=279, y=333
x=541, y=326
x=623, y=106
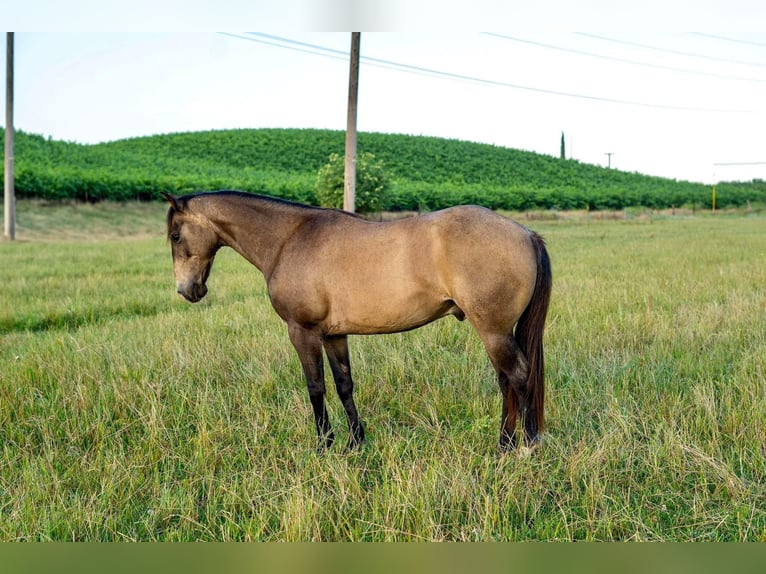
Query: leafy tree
x=372, y=184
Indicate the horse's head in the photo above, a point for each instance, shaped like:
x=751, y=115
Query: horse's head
x=194, y=243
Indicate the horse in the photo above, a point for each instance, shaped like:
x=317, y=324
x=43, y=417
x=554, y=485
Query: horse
x=331, y=274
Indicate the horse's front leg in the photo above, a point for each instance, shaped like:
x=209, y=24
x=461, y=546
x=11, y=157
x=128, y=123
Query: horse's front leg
x=337, y=353
x=309, y=348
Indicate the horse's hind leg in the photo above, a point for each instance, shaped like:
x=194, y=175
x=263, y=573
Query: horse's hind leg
x=309, y=348
x=337, y=354
x=507, y=414
x=511, y=367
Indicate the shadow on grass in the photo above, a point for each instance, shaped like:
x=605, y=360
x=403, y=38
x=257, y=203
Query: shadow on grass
x=72, y=320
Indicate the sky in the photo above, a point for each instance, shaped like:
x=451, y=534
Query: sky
x=638, y=89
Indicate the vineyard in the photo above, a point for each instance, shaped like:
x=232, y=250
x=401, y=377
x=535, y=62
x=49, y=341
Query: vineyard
x=426, y=173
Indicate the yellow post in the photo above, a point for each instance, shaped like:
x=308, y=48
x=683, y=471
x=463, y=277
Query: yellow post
x=713, y=199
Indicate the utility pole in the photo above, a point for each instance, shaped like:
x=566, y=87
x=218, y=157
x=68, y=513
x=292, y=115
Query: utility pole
x=609, y=154
x=349, y=185
x=9, y=205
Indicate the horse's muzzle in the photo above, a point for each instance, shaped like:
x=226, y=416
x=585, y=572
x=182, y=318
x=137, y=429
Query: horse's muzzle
x=193, y=292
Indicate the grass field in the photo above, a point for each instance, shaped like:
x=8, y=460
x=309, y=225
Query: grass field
x=128, y=414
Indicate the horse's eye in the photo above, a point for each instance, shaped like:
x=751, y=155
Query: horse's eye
x=175, y=237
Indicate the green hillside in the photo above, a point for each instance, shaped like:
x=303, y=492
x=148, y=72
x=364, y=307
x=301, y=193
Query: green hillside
x=427, y=173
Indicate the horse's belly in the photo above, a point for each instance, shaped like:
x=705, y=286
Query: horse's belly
x=391, y=315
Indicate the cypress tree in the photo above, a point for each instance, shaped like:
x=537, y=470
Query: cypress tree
x=563, y=147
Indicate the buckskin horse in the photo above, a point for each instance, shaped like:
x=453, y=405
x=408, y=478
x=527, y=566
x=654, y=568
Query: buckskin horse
x=331, y=274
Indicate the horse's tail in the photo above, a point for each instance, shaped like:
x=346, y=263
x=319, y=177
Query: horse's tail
x=529, y=329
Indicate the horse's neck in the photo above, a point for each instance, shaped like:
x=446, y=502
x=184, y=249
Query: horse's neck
x=256, y=228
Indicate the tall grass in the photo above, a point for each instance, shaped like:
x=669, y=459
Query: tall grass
x=127, y=414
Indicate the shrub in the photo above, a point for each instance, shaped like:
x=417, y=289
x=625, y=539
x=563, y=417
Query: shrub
x=372, y=184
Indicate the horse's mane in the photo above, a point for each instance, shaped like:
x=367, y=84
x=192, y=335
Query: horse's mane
x=267, y=198
x=184, y=200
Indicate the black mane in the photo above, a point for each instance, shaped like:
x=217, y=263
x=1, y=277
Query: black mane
x=269, y=198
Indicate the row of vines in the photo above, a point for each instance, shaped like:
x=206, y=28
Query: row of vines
x=425, y=173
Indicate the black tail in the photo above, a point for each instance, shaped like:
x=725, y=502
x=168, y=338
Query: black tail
x=529, y=329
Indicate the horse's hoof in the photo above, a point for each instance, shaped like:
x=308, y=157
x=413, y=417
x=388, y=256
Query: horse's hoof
x=507, y=443
x=325, y=443
x=526, y=451
x=356, y=439
x=530, y=446
x=355, y=446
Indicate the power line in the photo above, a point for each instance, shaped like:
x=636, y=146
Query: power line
x=725, y=39
x=669, y=51
x=623, y=60
x=315, y=49
x=294, y=45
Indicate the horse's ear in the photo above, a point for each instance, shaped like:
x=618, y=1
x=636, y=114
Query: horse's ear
x=172, y=200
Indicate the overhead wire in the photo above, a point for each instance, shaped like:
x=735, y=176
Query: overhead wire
x=670, y=51
x=315, y=49
x=294, y=45
x=726, y=39
x=623, y=60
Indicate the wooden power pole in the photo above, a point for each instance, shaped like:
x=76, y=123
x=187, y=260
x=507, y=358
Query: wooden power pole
x=349, y=186
x=9, y=206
